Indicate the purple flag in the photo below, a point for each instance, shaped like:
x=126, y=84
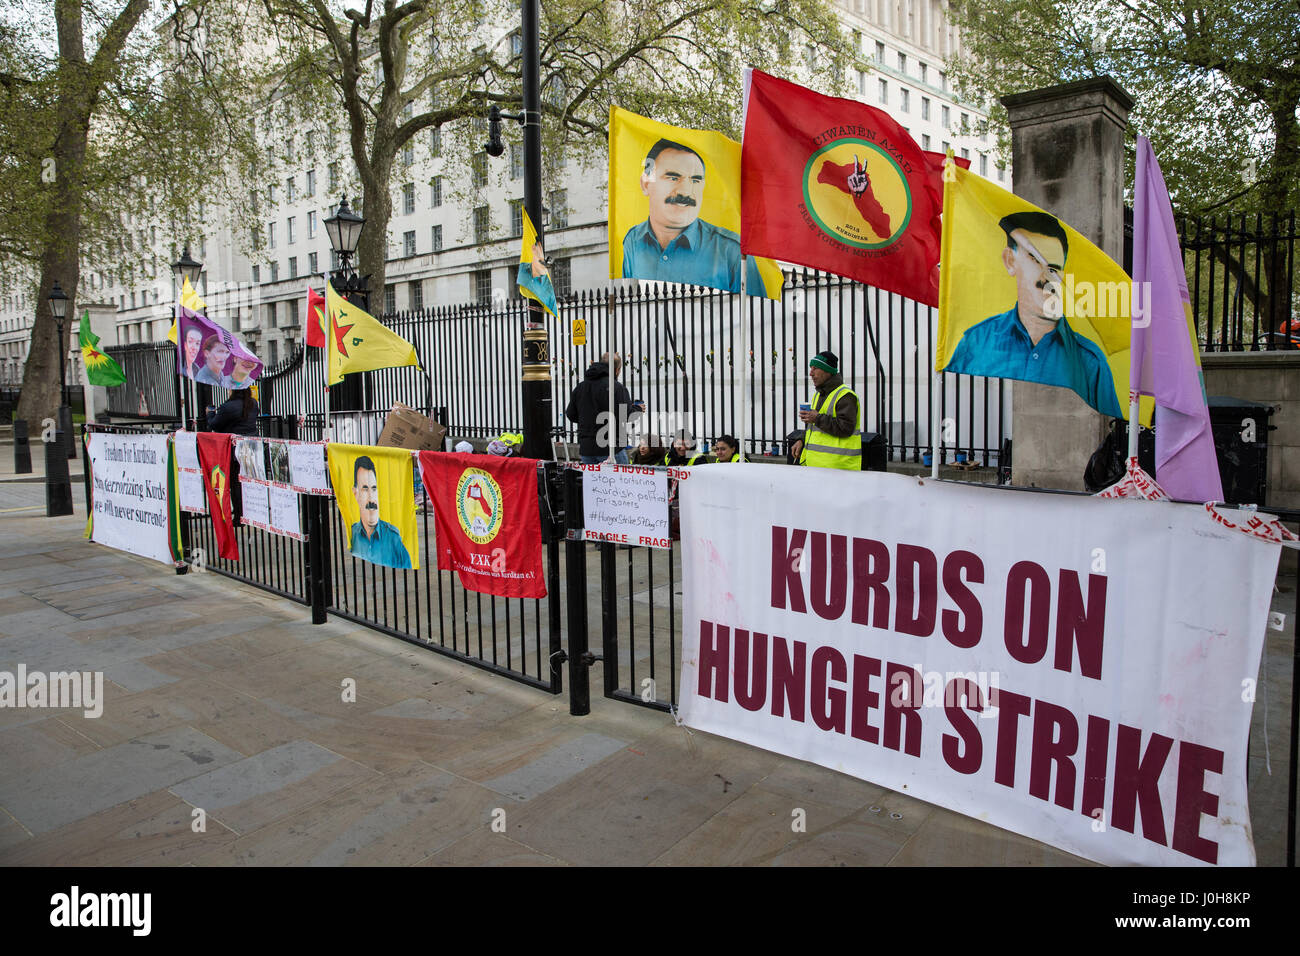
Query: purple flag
x=1165, y=359
x=211, y=354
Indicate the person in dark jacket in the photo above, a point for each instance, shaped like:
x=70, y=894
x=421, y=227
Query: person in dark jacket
x=237, y=415
x=589, y=408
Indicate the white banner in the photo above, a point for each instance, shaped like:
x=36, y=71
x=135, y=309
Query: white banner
x=133, y=506
x=193, y=496
x=1074, y=669
x=626, y=504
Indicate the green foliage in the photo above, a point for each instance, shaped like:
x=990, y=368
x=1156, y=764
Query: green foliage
x=1216, y=84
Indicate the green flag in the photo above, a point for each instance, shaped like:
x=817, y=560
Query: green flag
x=100, y=369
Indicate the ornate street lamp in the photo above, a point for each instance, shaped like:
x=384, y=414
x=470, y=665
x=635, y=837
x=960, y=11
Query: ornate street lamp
x=59, y=306
x=344, y=231
x=58, y=488
x=187, y=268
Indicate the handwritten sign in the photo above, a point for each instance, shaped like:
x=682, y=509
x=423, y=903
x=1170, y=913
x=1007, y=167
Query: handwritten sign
x=626, y=504
x=307, y=472
x=193, y=497
x=187, y=451
x=284, y=512
x=257, y=505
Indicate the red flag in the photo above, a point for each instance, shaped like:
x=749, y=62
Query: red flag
x=489, y=530
x=315, y=318
x=839, y=186
x=214, y=459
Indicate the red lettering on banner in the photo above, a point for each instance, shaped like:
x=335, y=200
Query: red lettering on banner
x=750, y=674
x=1026, y=576
x=713, y=665
x=1137, y=783
x=1095, y=754
x=789, y=667
x=1077, y=622
x=1193, y=800
x=1013, y=706
x=829, y=606
x=865, y=700
x=870, y=583
x=903, y=707
x=655, y=542
x=1047, y=748
x=828, y=702
x=917, y=599
x=964, y=626
x=968, y=757
x=786, y=562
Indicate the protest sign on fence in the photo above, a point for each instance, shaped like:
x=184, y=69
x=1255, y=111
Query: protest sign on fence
x=133, y=495
x=1074, y=669
x=626, y=504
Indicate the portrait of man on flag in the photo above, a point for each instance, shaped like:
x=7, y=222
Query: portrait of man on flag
x=675, y=207
x=1024, y=296
x=375, y=491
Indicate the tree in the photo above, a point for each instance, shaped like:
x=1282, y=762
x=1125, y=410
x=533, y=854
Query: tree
x=91, y=137
x=1216, y=83
x=401, y=68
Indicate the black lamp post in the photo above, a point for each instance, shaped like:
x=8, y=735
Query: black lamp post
x=58, y=487
x=537, y=350
x=184, y=268
x=344, y=231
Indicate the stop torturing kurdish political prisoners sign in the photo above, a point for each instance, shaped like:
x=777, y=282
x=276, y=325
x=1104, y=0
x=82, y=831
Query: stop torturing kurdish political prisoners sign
x=1074, y=669
x=134, y=501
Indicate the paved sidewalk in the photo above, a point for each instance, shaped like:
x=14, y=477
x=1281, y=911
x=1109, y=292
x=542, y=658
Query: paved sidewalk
x=224, y=698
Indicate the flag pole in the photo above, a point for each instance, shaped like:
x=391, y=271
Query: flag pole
x=325, y=363
x=612, y=421
x=936, y=414
x=1136, y=352
x=744, y=360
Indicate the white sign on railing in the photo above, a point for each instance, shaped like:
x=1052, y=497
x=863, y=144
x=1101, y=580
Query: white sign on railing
x=626, y=504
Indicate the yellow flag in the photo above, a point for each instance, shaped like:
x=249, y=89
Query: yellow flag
x=359, y=343
x=1024, y=296
x=374, y=490
x=534, y=278
x=190, y=299
x=674, y=207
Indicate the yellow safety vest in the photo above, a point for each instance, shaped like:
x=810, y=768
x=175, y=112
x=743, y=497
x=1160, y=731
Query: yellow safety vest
x=823, y=450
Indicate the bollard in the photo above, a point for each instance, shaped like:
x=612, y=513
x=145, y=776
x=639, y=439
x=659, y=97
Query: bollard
x=22, y=448
x=58, y=486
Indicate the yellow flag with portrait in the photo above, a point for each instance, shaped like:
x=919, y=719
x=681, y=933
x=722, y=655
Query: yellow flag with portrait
x=375, y=491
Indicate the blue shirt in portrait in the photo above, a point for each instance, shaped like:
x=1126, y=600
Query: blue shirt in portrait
x=999, y=347
x=702, y=254
x=383, y=547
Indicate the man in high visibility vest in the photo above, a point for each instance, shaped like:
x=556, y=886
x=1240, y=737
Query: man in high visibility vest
x=833, y=437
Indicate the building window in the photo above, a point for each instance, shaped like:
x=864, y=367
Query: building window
x=334, y=177
x=408, y=154
x=275, y=272
x=857, y=41
x=390, y=299
x=1002, y=174
x=293, y=267
x=945, y=117
x=965, y=153
x=943, y=81
x=884, y=92
x=435, y=141
x=408, y=243
x=313, y=263
x=965, y=121
x=945, y=147
x=291, y=230
x=290, y=189
x=271, y=235
x=311, y=182
x=560, y=209
x=925, y=107
x=255, y=237
x=880, y=52
x=270, y=315
x=257, y=273
x=275, y=351
x=516, y=161
x=270, y=194
x=904, y=100
x=921, y=67
x=334, y=260
x=408, y=199
x=516, y=218
x=562, y=277
x=984, y=165
x=417, y=295
x=481, y=224
x=516, y=43
x=252, y=201
x=437, y=238
x=479, y=169
x=481, y=286
x=311, y=224
x=862, y=82
x=902, y=63
x=435, y=192
x=925, y=140
x=291, y=319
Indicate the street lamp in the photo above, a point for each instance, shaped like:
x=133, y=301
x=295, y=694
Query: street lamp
x=58, y=488
x=59, y=306
x=344, y=231
x=186, y=268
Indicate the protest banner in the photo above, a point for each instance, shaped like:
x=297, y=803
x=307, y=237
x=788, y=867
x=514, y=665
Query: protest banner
x=375, y=491
x=307, y=472
x=626, y=504
x=133, y=495
x=211, y=354
x=487, y=521
x=214, y=454
x=1068, y=668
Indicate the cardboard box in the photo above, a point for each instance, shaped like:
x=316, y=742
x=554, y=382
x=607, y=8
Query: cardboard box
x=407, y=428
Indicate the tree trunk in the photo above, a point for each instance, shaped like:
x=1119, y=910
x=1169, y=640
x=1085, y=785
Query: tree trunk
x=376, y=201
